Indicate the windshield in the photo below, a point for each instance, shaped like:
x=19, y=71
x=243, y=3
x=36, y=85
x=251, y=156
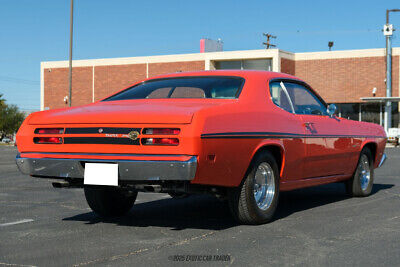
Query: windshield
x=183, y=87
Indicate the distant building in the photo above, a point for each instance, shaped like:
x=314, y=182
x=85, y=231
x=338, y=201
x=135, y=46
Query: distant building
x=208, y=45
x=340, y=77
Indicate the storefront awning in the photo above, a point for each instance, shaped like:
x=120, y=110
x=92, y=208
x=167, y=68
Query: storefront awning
x=381, y=99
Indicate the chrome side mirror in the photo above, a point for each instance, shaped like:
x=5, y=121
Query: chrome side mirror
x=331, y=110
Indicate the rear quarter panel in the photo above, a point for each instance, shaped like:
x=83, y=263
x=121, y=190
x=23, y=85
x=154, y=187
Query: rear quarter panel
x=224, y=160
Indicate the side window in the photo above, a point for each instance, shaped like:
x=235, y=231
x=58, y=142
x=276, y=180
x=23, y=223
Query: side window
x=304, y=101
x=279, y=96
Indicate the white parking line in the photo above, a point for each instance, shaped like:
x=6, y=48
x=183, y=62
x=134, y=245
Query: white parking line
x=19, y=265
x=17, y=222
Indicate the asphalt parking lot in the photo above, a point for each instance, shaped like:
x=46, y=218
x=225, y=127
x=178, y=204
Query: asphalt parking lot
x=43, y=226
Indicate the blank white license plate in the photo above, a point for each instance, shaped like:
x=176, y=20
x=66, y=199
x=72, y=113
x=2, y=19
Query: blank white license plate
x=101, y=174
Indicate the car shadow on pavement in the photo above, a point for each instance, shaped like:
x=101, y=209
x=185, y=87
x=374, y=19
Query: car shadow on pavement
x=207, y=212
x=307, y=198
x=193, y=212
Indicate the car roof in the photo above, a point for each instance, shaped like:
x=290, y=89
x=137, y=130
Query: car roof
x=246, y=74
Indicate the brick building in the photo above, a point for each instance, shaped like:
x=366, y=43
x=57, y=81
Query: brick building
x=340, y=77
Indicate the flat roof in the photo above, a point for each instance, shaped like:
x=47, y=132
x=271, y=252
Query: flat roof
x=224, y=55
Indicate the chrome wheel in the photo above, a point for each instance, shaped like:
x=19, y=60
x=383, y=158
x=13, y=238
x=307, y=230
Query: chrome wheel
x=365, y=172
x=264, y=186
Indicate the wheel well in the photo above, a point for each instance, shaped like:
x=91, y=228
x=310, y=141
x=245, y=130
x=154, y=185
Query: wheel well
x=276, y=152
x=372, y=147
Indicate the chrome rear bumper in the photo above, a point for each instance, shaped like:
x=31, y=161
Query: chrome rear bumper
x=129, y=170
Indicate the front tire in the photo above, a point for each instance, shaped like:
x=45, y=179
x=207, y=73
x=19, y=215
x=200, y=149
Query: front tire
x=360, y=185
x=255, y=201
x=109, y=201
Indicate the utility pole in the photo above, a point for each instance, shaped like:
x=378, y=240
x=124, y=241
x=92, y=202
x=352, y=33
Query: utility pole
x=71, y=23
x=388, y=32
x=269, y=36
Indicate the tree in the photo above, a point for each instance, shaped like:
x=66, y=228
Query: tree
x=10, y=117
x=2, y=101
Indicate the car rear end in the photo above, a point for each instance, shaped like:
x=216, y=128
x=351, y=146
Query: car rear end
x=142, y=152
x=146, y=141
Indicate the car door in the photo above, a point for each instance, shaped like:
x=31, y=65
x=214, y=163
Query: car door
x=287, y=124
x=326, y=137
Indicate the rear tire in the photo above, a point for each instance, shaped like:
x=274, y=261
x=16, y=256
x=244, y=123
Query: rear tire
x=360, y=185
x=256, y=199
x=109, y=201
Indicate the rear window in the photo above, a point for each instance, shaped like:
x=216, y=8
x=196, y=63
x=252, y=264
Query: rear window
x=184, y=87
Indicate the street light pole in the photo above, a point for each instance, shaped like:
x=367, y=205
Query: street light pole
x=71, y=23
x=388, y=31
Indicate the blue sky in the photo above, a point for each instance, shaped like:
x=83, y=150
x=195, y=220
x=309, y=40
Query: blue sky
x=34, y=31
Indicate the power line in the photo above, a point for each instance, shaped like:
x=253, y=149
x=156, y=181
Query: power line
x=325, y=32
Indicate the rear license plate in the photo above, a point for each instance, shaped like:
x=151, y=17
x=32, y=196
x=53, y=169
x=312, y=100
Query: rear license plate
x=101, y=174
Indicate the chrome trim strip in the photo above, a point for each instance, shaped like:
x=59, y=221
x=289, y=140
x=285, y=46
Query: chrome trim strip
x=383, y=159
x=129, y=170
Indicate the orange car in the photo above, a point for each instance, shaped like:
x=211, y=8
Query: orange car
x=240, y=135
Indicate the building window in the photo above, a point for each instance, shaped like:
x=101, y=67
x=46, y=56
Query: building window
x=349, y=111
x=395, y=114
x=228, y=65
x=371, y=112
x=245, y=64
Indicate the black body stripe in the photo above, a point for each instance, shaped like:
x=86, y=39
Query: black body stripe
x=252, y=133
x=100, y=140
x=277, y=135
x=95, y=130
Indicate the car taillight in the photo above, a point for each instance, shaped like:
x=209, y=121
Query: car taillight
x=47, y=140
x=49, y=130
x=161, y=141
x=156, y=131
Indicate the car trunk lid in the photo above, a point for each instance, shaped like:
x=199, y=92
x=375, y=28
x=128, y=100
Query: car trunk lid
x=127, y=111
